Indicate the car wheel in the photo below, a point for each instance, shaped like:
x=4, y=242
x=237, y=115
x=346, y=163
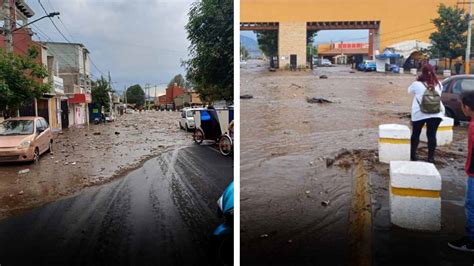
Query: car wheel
x=36, y=155
x=225, y=145
x=180, y=126
x=450, y=113
x=198, y=136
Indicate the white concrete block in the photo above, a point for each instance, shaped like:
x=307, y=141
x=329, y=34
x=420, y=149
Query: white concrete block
x=394, y=143
x=415, y=201
x=444, y=135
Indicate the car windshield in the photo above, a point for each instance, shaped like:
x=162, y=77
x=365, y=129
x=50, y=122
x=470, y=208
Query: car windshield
x=190, y=113
x=16, y=127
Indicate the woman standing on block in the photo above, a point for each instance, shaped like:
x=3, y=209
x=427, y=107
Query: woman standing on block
x=427, y=109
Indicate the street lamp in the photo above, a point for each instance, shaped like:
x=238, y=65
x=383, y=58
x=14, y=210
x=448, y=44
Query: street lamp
x=50, y=15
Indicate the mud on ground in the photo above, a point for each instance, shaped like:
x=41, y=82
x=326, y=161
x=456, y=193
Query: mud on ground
x=297, y=156
x=88, y=156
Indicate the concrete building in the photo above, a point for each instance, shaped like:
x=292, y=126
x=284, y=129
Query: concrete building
x=383, y=20
x=48, y=106
x=74, y=69
x=348, y=52
x=190, y=98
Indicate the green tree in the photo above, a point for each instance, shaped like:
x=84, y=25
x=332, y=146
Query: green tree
x=268, y=42
x=243, y=52
x=136, y=95
x=20, y=79
x=178, y=79
x=100, y=93
x=211, y=65
x=449, y=40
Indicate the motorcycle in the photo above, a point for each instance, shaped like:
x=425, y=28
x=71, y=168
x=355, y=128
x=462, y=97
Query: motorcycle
x=224, y=234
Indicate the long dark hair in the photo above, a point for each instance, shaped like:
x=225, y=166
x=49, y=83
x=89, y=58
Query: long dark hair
x=428, y=75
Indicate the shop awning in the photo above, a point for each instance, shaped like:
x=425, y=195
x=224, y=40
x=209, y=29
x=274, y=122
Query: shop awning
x=80, y=98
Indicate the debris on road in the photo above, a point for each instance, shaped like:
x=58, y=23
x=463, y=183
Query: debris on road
x=296, y=85
x=325, y=203
x=21, y=192
x=96, y=133
x=24, y=171
x=329, y=162
x=317, y=100
x=263, y=235
x=323, y=77
x=246, y=96
x=117, y=133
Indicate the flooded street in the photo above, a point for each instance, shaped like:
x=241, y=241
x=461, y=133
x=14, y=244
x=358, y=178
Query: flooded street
x=88, y=156
x=312, y=189
x=161, y=213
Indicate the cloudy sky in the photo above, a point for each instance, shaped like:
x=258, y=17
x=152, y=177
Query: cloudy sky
x=139, y=41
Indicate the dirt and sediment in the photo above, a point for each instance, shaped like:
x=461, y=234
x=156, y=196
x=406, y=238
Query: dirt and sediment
x=312, y=189
x=87, y=156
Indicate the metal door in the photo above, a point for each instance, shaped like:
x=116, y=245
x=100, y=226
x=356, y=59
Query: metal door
x=293, y=62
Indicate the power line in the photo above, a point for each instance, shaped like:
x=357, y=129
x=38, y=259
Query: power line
x=60, y=32
x=61, y=21
x=54, y=24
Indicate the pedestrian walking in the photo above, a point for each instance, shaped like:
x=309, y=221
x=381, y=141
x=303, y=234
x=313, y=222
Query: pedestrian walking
x=427, y=109
x=457, y=67
x=466, y=243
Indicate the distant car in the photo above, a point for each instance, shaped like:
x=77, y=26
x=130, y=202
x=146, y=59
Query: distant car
x=367, y=66
x=24, y=139
x=325, y=62
x=129, y=111
x=187, y=119
x=451, y=96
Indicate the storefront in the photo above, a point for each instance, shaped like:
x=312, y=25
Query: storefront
x=79, y=110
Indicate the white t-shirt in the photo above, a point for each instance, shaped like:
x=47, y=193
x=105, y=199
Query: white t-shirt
x=418, y=89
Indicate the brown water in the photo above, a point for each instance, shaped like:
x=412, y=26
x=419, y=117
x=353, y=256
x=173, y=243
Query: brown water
x=284, y=175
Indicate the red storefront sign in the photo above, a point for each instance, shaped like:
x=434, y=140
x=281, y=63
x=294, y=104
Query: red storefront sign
x=80, y=98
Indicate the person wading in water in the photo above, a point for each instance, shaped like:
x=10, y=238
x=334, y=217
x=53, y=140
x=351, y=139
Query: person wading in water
x=427, y=109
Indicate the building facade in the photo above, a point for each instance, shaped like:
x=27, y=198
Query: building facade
x=47, y=106
x=74, y=69
x=294, y=18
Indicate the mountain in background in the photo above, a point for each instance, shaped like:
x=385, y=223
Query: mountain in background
x=251, y=45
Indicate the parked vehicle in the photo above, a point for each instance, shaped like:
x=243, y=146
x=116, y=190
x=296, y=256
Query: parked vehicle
x=226, y=142
x=187, y=119
x=325, y=62
x=223, y=234
x=24, y=139
x=451, y=96
x=367, y=65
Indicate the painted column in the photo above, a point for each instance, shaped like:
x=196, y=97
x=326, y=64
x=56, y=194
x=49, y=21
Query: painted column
x=371, y=44
x=292, y=40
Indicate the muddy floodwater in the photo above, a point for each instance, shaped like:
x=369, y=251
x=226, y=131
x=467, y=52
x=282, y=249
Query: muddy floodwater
x=88, y=156
x=312, y=189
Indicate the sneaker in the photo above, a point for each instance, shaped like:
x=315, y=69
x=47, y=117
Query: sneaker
x=463, y=244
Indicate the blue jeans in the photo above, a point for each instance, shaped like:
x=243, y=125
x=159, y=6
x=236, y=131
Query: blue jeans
x=469, y=208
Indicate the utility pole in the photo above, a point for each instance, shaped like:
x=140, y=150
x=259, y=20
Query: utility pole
x=7, y=27
x=467, y=69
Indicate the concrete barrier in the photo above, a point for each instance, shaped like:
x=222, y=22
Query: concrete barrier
x=446, y=73
x=415, y=201
x=394, y=143
x=444, y=135
x=413, y=71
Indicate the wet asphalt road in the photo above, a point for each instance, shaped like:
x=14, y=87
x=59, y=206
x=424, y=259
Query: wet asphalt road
x=162, y=213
